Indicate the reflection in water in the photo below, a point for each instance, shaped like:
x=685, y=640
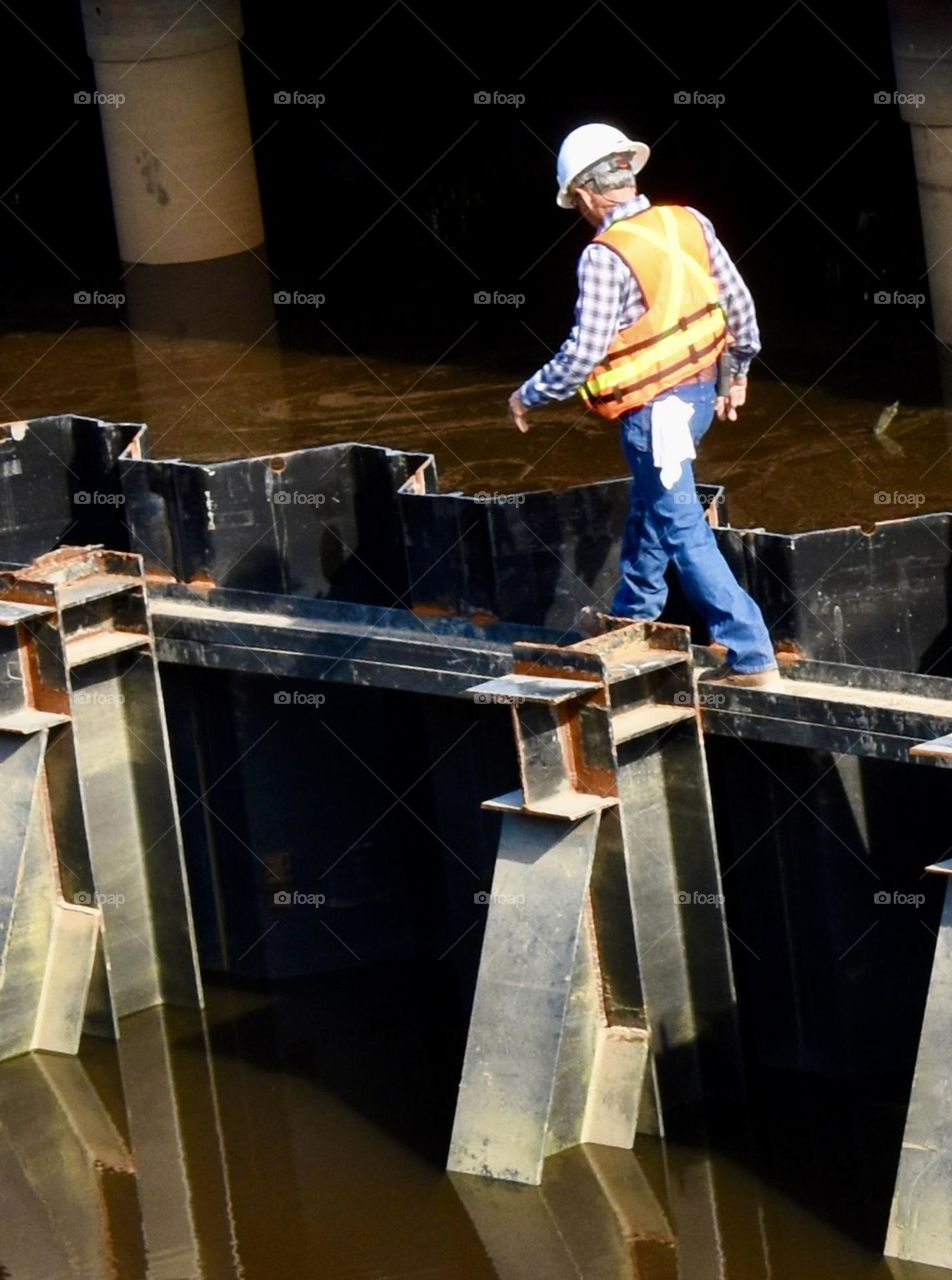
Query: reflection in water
x=594, y=1215
x=301, y=1135
x=788, y=464
x=64, y=1171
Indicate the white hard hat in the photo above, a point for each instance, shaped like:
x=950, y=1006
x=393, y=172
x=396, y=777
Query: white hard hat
x=588, y=144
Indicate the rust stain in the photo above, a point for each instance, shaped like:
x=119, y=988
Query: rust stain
x=433, y=611
x=39, y=695
x=585, y=776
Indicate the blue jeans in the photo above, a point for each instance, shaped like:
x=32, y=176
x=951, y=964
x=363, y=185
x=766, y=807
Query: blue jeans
x=668, y=525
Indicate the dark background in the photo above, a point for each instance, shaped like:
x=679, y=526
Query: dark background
x=799, y=120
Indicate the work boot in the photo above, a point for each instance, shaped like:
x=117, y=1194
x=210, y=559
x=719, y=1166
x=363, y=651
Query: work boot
x=768, y=679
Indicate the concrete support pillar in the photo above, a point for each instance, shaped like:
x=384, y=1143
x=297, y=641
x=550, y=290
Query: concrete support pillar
x=181, y=165
x=921, y=38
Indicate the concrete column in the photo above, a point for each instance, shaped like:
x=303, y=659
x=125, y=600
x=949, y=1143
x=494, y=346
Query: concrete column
x=921, y=39
x=181, y=165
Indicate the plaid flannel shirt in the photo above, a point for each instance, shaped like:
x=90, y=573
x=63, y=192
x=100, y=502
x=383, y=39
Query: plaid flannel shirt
x=610, y=299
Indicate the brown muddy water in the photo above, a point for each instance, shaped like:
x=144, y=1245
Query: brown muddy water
x=800, y=457
x=301, y=1131
x=300, y=1134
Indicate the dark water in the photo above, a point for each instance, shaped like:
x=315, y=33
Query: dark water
x=300, y=1133
x=801, y=457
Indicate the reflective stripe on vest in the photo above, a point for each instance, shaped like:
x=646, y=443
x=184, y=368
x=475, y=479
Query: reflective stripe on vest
x=682, y=331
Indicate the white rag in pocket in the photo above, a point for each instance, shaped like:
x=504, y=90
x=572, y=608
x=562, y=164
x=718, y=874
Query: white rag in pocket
x=671, y=441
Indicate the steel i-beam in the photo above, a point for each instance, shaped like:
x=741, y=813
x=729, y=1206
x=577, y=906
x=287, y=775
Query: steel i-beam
x=605, y=924
x=47, y=941
x=89, y=661
x=920, y=1226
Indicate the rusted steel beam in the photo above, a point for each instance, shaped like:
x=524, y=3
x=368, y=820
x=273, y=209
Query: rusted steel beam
x=93, y=844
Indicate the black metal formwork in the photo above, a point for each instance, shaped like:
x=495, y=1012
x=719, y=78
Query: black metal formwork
x=309, y=523
x=320, y=615
x=879, y=597
x=532, y=558
x=59, y=482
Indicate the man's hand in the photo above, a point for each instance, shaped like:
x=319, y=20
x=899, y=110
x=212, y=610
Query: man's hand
x=519, y=412
x=727, y=406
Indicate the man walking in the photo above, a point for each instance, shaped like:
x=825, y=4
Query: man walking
x=659, y=302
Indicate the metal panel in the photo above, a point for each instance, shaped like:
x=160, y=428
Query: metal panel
x=532, y=1000
x=59, y=480
x=310, y=522
x=920, y=1227
x=88, y=651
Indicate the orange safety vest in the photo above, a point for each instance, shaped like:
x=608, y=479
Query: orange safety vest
x=682, y=330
